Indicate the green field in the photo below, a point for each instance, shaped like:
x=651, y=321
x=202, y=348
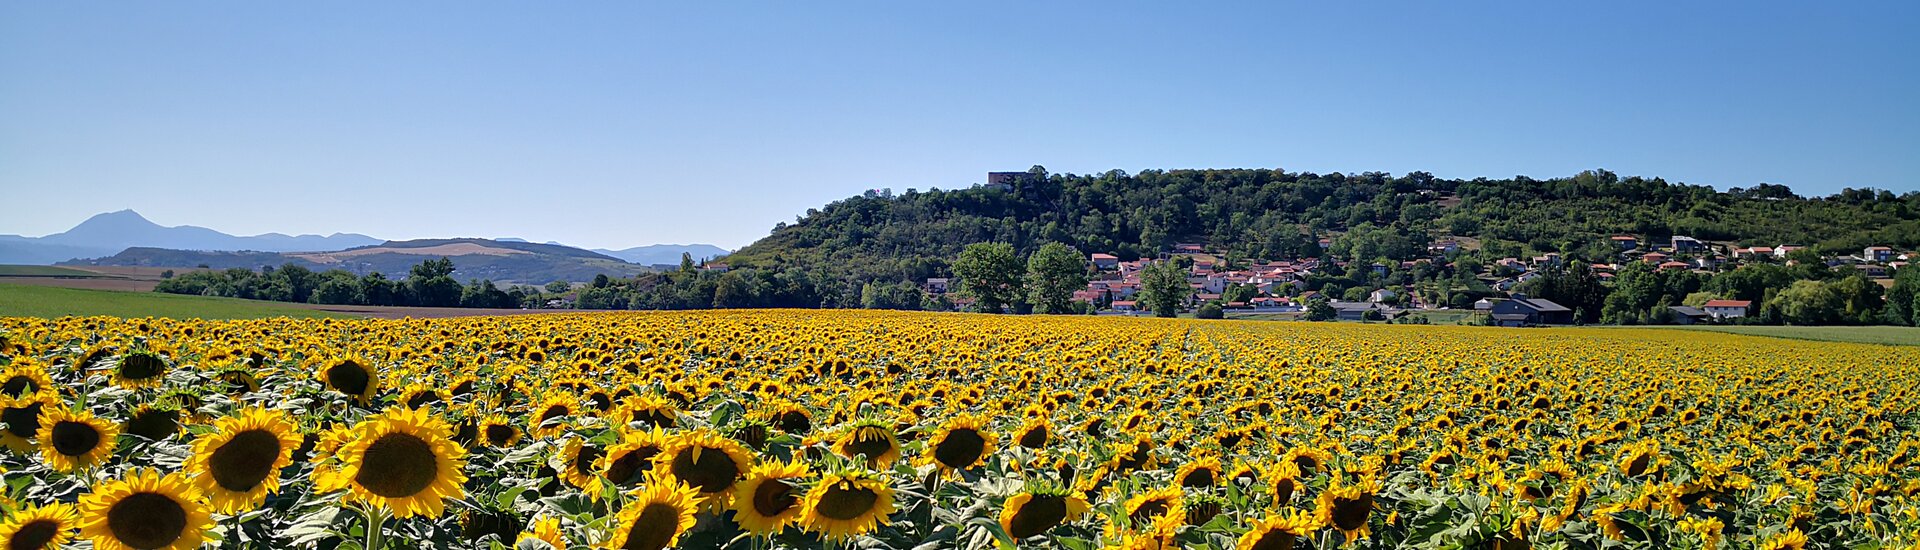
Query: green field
x=41, y=301
x=1899, y=336
x=43, y=271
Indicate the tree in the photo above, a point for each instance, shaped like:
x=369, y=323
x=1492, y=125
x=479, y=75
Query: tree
x=686, y=262
x=1809, y=303
x=558, y=287
x=1210, y=310
x=990, y=274
x=1053, y=273
x=1319, y=310
x=1163, y=288
x=1903, y=300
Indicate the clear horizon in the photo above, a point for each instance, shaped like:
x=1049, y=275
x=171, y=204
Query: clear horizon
x=607, y=125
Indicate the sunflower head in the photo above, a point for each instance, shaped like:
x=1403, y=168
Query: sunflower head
x=403, y=459
x=711, y=464
x=354, y=376
x=770, y=499
x=626, y=463
x=1039, y=509
x=1278, y=531
x=71, y=440
x=655, y=517
x=25, y=382
x=144, y=511
x=40, y=528
x=1347, y=507
x=872, y=439
x=961, y=443
x=847, y=504
x=238, y=464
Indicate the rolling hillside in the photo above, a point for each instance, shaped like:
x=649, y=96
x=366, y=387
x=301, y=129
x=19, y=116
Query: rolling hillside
x=499, y=261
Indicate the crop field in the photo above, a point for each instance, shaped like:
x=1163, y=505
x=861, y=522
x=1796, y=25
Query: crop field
x=847, y=429
x=27, y=300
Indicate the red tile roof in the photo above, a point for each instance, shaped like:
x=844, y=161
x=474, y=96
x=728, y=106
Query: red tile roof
x=1729, y=303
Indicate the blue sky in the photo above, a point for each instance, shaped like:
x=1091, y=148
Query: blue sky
x=613, y=124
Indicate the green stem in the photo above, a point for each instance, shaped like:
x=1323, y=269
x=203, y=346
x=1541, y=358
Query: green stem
x=376, y=521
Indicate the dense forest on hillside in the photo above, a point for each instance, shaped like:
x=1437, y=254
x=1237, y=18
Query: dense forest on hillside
x=833, y=255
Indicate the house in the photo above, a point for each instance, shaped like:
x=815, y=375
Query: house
x=1125, y=305
x=1105, y=262
x=1549, y=259
x=1443, y=248
x=1871, y=271
x=1625, y=242
x=1753, y=252
x=1482, y=304
x=1655, y=258
x=716, y=268
x=1684, y=315
x=1382, y=295
x=1683, y=244
x=1727, y=309
x=1005, y=181
x=1188, y=248
x=1877, y=254
x=937, y=285
x=1357, y=311
x=1783, y=250
x=1531, y=311
x=1674, y=265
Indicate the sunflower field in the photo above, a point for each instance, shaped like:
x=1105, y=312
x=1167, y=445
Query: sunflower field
x=848, y=429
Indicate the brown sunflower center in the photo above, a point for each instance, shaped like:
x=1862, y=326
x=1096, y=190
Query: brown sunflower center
x=846, y=502
x=155, y=424
x=423, y=399
x=1199, y=477
x=141, y=367
x=773, y=497
x=34, y=535
x=712, y=473
x=397, y=465
x=1034, y=438
x=349, y=378
x=870, y=441
x=794, y=422
x=626, y=469
x=960, y=449
x=74, y=438
x=1351, y=513
x=551, y=413
x=245, y=460
x=499, y=434
x=583, y=462
x=22, y=421
x=1638, y=465
x=653, y=528
x=1149, y=510
x=147, y=520
x=19, y=386
x=1038, y=515
x=1273, y=540
x=1283, y=489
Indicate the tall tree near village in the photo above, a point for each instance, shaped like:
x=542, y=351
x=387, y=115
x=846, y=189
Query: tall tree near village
x=990, y=274
x=1053, y=273
x=1163, y=287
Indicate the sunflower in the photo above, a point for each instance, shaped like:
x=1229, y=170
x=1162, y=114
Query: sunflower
x=847, y=504
x=712, y=464
x=549, y=416
x=770, y=497
x=651, y=411
x=239, y=381
x=22, y=424
x=24, y=382
x=1034, y=434
x=238, y=464
x=871, y=438
x=144, y=511
x=498, y=431
x=140, y=369
x=1347, y=507
x=626, y=462
x=352, y=376
x=153, y=422
x=1792, y=539
x=71, y=441
x=1148, y=509
x=40, y=528
x=578, y=457
x=421, y=394
x=1199, y=474
x=655, y=517
x=403, y=459
x=1278, y=531
x=790, y=417
x=1640, y=458
x=547, y=530
x=1037, y=510
x=960, y=444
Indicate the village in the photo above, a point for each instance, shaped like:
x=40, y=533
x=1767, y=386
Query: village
x=1277, y=289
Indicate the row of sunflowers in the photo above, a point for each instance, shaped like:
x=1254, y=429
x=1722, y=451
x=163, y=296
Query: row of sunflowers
x=812, y=429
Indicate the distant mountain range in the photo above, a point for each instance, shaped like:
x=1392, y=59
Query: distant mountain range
x=125, y=238
x=109, y=233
